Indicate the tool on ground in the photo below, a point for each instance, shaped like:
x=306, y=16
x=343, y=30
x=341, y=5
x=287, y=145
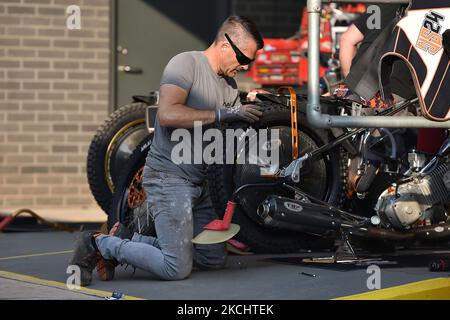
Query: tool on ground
x=308, y=274
x=440, y=265
x=115, y=296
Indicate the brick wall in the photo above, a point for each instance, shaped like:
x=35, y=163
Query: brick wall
x=53, y=95
x=274, y=18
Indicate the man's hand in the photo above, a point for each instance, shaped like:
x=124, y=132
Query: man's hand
x=247, y=112
x=251, y=96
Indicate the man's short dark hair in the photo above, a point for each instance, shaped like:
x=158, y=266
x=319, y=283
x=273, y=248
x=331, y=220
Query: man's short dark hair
x=234, y=25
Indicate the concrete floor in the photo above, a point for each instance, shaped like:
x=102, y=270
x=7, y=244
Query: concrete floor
x=15, y=288
x=45, y=255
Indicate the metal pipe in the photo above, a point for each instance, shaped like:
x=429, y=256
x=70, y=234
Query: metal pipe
x=436, y=231
x=314, y=109
x=389, y=112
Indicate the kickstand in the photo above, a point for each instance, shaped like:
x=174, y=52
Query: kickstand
x=344, y=253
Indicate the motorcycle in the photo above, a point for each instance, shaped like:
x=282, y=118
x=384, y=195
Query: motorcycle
x=373, y=184
x=413, y=208
x=311, y=200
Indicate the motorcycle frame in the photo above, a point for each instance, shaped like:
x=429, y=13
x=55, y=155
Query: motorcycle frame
x=286, y=179
x=293, y=170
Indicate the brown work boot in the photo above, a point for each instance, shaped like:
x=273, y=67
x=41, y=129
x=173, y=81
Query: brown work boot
x=106, y=267
x=86, y=256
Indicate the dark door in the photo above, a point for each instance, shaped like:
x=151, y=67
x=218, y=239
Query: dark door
x=147, y=33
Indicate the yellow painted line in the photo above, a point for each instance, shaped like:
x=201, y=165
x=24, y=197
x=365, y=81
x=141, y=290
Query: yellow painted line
x=432, y=289
x=23, y=277
x=36, y=255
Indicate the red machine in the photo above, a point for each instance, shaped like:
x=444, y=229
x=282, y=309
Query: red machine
x=284, y=61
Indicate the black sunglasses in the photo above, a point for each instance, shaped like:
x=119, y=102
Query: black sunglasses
x=240, y=57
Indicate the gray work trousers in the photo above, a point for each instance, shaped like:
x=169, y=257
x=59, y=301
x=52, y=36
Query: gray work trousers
x=181, y=209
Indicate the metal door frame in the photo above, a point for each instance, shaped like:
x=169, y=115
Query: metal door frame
x=223, y=6
x=112, y=56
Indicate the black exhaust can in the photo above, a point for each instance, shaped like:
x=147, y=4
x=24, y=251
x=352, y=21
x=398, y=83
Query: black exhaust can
x=284, y=213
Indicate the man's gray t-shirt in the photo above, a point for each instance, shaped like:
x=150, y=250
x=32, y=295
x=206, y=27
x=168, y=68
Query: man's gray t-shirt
x=206, y=91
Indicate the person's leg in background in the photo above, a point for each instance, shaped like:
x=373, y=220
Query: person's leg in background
x=209, y=256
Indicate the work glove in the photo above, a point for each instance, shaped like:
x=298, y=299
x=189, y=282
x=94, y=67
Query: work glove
x=244, y=112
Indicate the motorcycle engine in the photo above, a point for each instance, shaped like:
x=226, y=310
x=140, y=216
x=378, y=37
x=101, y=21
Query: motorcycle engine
x=420, y=199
